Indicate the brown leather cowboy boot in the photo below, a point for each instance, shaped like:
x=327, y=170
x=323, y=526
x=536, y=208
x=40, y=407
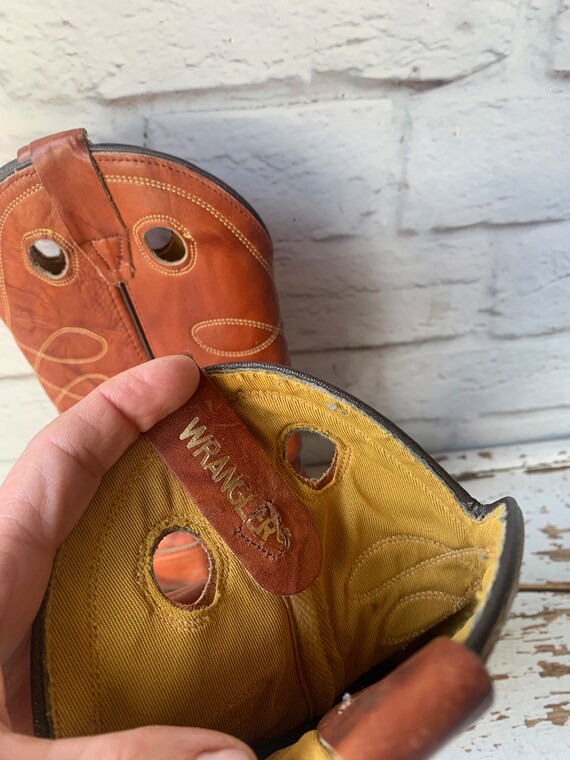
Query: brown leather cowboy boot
x=110, y=255
x=316, y=588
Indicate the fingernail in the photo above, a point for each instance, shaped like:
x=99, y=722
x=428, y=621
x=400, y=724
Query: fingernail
x=224, y=754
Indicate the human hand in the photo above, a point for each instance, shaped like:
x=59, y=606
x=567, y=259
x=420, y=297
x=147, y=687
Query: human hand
x=41, y=500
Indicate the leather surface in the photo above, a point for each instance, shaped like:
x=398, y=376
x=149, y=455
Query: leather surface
x=220, y=302
x=408, y=714
x=79, y=196
x=231, y=479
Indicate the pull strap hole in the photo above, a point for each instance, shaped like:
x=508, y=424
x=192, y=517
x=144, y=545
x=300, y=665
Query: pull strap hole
x=166, y=245
x=181, y=567
x=316, y=462
x=49, y=258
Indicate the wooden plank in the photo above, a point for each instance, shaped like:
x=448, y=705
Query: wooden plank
x=530, y=665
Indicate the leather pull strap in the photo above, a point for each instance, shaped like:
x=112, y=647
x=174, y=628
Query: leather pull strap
x=80, y=197
x=414, y=710
x=232, y=481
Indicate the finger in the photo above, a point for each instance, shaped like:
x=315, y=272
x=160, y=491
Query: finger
x=149, y=743
x=54, y=480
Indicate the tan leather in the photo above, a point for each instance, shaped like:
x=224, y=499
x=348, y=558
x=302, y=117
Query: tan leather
x=79, y=197
x=116, y=303
x=411, y=712
x=232, y=481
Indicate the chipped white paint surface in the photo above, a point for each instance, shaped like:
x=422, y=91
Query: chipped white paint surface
x=538, y=477
x=530, y=715
x=530, y=665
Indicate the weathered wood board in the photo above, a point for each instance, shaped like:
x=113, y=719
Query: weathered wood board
x=530, y=717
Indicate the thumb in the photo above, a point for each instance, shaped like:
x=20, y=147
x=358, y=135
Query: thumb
x=148, y=743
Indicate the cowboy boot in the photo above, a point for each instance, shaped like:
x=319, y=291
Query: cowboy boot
x=315, y=588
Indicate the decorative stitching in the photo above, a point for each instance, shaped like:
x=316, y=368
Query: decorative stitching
x=459, y=603
x=63, y=243
x=9, y=208
x=234, y=203
x=459, y=554
x=273, y=329
x=68, y=393
x=40, y=352
x=400, y=538
x=122, y=179
x=76, y=380
x=3, y=293
x=10, y=182
x=41, y=355
x=169, y=270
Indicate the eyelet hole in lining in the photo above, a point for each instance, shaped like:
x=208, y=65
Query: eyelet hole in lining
x=166, y=245
x=182, y=567
x=316, y=463
x=49, y=258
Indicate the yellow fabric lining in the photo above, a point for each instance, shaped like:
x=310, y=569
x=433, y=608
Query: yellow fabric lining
x=307, y=748
x=399, y=556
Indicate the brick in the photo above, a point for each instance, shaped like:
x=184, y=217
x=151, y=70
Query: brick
x=20, y=125
x=486, y=156
x=286, y=41
x=412, y=41
x=63, y=51
x=560, y=50
x=532, y=281
x=312, y=172
x=146, y=47
x=374, y=292
x=465, y=393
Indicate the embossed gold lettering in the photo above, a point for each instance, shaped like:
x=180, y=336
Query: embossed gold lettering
x=217, y=467
x=209, y=448
x=189, y=430
x=233, y=485
x=266, y=529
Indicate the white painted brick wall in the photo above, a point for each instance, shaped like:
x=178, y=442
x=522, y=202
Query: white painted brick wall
x=312, y=171
x=500, y=158
x=411, y=160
